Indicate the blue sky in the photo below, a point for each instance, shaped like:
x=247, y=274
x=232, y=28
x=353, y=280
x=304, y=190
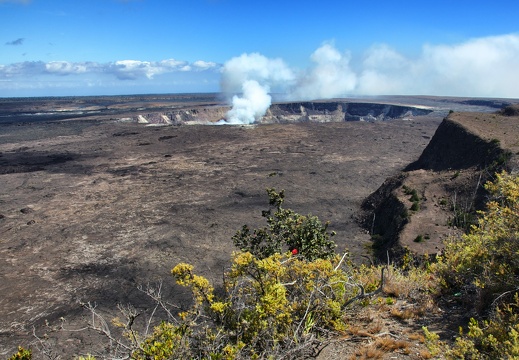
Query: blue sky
x=95, y=47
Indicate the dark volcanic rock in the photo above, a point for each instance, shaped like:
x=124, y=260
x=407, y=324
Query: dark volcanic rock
x=330, y=111
x=512, y=110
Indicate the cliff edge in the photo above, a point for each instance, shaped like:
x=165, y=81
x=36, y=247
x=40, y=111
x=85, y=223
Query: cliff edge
x=437, y=196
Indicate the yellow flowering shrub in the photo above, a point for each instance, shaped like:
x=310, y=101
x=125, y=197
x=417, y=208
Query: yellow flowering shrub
x=271, y=307
x=487, y=258
x=483, y=267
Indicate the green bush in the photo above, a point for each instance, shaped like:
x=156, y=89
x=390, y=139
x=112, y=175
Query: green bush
x=285, y=290
x=286, y=231
x=414, y=196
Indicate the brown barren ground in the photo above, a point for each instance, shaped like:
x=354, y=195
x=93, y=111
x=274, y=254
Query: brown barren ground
x=89, y=211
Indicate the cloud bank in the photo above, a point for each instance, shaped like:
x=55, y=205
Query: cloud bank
x=122, y=69
x=31, y=78
x=486, y=67
x=483, y=67
x=480, y=67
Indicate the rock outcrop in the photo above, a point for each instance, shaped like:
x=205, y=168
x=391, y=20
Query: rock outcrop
x=437, y=196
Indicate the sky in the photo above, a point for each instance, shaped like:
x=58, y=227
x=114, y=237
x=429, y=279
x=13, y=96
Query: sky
x=304, y=49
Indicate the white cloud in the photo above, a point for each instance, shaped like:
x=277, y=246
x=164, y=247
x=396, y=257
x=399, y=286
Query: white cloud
x=169, y=75
x=486, y=67
x=257, y=67
x=204, y=65
x=122, y=69
x=68, y=68
x=170, y=63
x=330, y=76
x=480, y=67
x=23, y=69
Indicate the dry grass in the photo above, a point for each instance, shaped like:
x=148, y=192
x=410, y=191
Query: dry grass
x=388, y=344
x=416, y=336
x=367, y=352
x=410, y=312
x=384, y=327
x=356, y=330
x=375, y=327
x=405, y=314
x=380, y=347
x=425, y=354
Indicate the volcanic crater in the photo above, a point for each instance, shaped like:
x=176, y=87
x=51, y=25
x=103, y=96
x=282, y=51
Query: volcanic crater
x=96, y=206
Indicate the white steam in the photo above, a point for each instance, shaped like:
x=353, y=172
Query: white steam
x=252, y=75
x=486, y=67
x=330, y=76
x=251, y=106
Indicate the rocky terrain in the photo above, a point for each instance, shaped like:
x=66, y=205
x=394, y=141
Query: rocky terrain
x=209, y=108
x=465, y=152
x=93, y=208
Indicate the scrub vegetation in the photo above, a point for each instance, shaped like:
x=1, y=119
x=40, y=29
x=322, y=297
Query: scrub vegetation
x=287, y=295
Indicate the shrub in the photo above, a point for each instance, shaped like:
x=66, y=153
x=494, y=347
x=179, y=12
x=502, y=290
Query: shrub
x=497, y=338
x=483, y=266
x=276, y=306
x=285, y=290
x=414, y=196
x=419, y=239
x=22, y=354
x=286, y=230
x=486, y=257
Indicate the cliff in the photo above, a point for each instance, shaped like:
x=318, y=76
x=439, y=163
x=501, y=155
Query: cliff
x=335, y=111
x=437, y=195
x=314, y=111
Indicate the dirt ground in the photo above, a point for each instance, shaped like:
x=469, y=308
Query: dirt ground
x=91, y=210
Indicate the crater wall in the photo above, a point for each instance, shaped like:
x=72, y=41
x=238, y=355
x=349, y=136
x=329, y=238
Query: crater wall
x=311, y=111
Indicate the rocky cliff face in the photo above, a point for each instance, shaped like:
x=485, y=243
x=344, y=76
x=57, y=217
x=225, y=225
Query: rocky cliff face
x=437, y=196
x=195, y=115
x=326, y=111
x=333, y=111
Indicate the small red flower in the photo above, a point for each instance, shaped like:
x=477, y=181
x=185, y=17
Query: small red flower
x=294, y=252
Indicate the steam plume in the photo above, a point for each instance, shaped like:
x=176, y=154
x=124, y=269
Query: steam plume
x=251, y=106
x=252, y=75
x=485, y=67
x=330, y=76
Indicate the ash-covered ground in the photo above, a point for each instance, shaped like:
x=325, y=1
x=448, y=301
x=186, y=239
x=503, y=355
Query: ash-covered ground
x=90, y=209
